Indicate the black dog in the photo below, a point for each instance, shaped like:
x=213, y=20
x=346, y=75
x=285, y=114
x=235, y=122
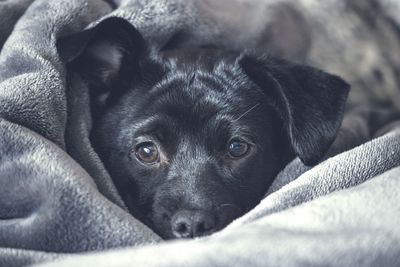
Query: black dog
x=193, y=138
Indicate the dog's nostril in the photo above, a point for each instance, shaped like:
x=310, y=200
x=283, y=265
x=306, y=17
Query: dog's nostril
x=181, y=228
x=189, y=223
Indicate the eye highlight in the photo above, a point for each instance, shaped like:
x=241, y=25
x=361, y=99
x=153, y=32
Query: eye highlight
x=238, y=148
x=147, y=152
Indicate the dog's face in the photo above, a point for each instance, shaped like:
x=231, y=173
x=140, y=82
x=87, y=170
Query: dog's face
x=193, y=150
x=193, y=139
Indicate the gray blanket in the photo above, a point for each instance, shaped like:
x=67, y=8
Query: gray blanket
x=57, y=201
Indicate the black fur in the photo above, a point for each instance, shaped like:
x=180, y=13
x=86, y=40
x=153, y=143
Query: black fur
x=190, y=104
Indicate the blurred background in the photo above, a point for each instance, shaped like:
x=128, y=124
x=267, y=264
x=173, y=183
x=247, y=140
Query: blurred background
x=356, y=39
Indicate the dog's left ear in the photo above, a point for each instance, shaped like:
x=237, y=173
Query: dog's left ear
x=106, y=56
x=309, y=101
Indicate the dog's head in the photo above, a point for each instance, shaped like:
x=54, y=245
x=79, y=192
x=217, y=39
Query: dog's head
x=193, y=138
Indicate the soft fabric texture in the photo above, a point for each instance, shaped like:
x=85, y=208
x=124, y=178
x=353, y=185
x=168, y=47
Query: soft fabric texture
x=56, y=198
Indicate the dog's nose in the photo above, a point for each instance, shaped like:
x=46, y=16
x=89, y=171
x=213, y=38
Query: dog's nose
x=192, y=223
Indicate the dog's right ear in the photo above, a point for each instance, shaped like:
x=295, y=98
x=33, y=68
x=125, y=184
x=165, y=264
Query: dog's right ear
x=310, y=102
x=106, y=56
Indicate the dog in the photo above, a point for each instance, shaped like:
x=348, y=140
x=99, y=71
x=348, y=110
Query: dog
x=193, y=138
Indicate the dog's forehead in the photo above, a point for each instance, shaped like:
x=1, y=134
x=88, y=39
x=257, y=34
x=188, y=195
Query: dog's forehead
x=201, y=94
x=202, y=81
x=199, y=103
x=197, y=95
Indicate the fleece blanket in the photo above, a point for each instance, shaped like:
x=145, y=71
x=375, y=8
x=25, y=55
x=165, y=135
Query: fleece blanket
x=58, y=203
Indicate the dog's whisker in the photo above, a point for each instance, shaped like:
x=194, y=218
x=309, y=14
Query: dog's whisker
x=227, y=205
x=247, y=112
x=236, y=182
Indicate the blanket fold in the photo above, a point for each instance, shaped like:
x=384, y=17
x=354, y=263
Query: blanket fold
x=330, y=231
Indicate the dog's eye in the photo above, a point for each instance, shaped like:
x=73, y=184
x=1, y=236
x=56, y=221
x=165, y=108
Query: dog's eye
x=238, y=148
x=147, y=152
